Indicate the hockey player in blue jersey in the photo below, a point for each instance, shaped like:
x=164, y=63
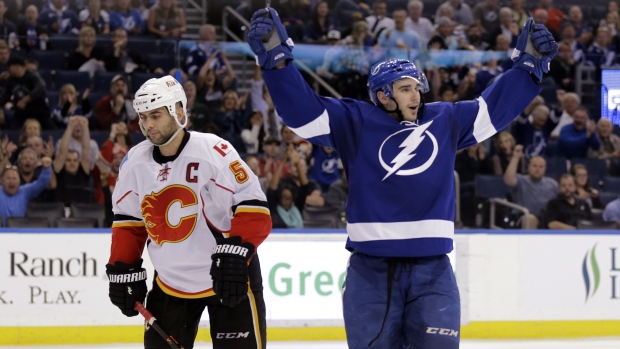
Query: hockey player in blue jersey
x=400, y=290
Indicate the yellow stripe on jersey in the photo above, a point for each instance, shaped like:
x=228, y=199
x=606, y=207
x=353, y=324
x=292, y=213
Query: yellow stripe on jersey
x=259, y=340
x=180, y=294
x=127, y=224
x=252, y=209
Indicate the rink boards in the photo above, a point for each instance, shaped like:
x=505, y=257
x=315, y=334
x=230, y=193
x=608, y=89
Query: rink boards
x=537, y=284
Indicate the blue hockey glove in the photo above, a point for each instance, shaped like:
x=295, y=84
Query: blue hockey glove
x=535, y=49
x=229, y=270
x=268, y=39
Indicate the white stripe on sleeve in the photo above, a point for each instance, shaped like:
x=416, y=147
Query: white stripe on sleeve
x=483, y=127
x=317, y=127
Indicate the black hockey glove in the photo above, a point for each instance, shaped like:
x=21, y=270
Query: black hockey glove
x=127, y=285
x=229, y=270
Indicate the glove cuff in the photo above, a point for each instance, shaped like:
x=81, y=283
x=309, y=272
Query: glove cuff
x=233, y=247
x=530, y=64
x=123, y=273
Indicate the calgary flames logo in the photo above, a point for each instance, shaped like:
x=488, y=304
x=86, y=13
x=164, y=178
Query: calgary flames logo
x=156, y=210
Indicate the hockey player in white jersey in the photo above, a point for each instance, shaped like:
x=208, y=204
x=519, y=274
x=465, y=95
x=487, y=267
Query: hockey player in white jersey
x=398, y=154
x=202, y=214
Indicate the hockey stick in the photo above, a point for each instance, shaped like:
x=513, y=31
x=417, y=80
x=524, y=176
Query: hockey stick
x=152, y=321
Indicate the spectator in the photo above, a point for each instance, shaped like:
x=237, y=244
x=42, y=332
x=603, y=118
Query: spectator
x=5, y=55
x=475, y=40
x=116, y=107
x=166, y=20
x=542, y=16
x=504, y=147
x=31, y=127
x=8, y=30
x=533, y=131
x=95, y=17
x=78, y=137
x=344, y=9
x=578, y=50
x=565, y=210
x=324, y=170
x=253, y=163
x=355, y=61
x=14, y=198
x=316, y=30
x=400, y=37
x=32, y=35
x=420, y=25
x=123, y=16
x=58, y=19
x=212, y=84
x=68, y=105
x=554, y=15
x=610, y=146
x=269, y=161
x=576, y=139
x=338, y=192
x=232, y=117
x=125, y=59
x=254, y=133
x=87, y=56
x=261, y=100
x=107, y=194
x=303, y=147
x=287, y=200
x=41, y=148
x=469, y=163
x=563, y=67
x=204, y=49
x=461, y=12
x=601, y=54
x=25, y=95
x=519, y=13
x=584, y=190
x=531, y=191
x=444, y=38
x=563, y=116
x=486, y=16
x=583, y=31
x=109, y=160
x=379, y=21
x=612, y=212
x=72, y=169
x=507, y=26
x=29, y=168
x=612, y=22
x=198, y=113
x=7, y=149
x=294, y=15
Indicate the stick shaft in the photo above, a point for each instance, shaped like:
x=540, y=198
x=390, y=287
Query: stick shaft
x=153, y=323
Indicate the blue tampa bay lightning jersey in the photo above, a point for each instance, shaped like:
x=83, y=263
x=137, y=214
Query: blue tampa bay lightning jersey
x=401, y=174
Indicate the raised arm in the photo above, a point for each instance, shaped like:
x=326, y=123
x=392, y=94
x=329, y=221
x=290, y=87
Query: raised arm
x=59, y=161
x=510, y=176
x=85, y=159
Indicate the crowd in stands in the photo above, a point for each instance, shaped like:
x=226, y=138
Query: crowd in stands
x=68, y=70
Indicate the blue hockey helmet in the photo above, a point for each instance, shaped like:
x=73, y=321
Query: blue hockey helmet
x=384, y=74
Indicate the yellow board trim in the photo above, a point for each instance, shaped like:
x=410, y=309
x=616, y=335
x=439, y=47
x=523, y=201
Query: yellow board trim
x=475, y=330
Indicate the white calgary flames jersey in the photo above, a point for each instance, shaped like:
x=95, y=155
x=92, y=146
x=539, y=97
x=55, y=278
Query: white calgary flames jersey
x=180, y=203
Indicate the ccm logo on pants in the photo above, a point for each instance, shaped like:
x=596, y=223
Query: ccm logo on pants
x=232, y=335
x=442, y=331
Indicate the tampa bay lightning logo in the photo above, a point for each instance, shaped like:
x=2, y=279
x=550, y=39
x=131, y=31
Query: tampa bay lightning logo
x=417, y=135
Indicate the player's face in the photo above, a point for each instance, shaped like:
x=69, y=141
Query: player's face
x=407, y=96
x=159, y=125
x=10, y=182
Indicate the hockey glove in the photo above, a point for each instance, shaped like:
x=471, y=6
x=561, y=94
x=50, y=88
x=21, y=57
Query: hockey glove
x=268, y=39
x=535, y=49
x=229, y=270
x=127, y=285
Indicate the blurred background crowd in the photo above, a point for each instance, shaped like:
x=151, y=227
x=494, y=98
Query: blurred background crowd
x=68, y=69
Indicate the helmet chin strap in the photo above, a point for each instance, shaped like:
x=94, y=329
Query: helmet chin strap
x=399, y=112
x=171, y=138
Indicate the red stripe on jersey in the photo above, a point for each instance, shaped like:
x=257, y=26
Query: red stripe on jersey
x=122, y=197
x=253, y=227
x=127, y=243
x=219, y=185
